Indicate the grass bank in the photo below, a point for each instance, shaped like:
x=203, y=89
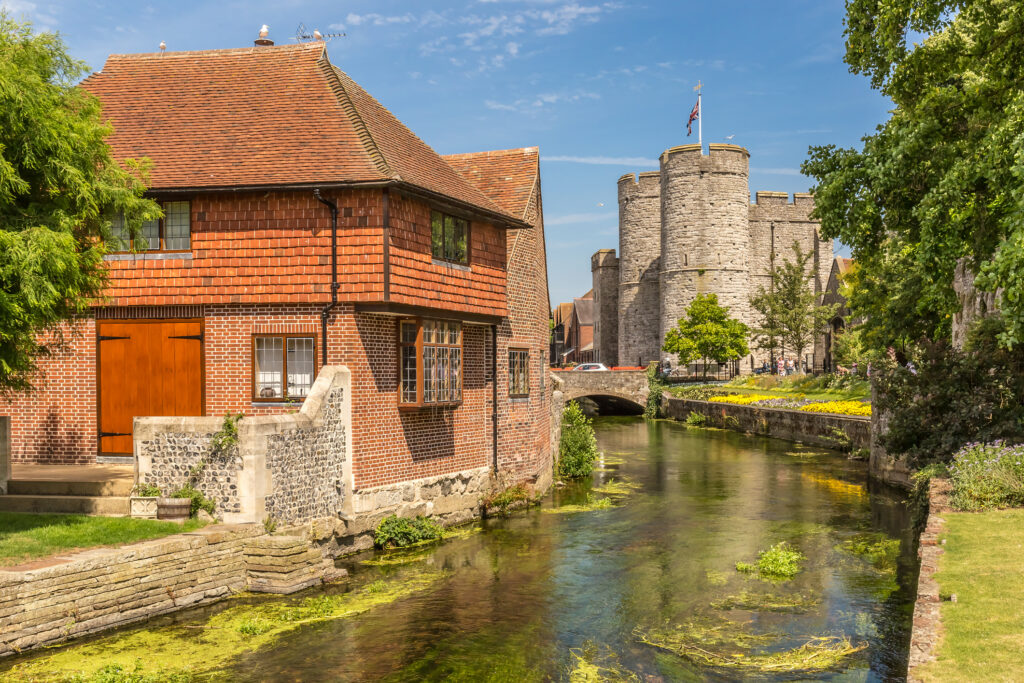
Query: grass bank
x=983, y=631
x=812, y=387
x=25, y=537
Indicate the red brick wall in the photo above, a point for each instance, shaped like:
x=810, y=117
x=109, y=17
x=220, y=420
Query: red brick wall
x=56, y=423
x=524, y=423
x=417, y=280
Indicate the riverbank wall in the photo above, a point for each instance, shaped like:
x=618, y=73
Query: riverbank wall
x=924, y=635
x=59, y=598
x=819, y=429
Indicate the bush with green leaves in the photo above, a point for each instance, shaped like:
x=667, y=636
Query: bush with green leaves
x=987, y=475
x=698, y=392
x=696, y=420
x=402, y=532
x=939, y=398
x=655, y=388
x=577, y=449
x=198, y=498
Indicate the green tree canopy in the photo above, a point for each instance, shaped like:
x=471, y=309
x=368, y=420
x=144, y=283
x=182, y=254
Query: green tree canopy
x=788, y=311
x=59, y=186
x=707, y=332
x=943, y=178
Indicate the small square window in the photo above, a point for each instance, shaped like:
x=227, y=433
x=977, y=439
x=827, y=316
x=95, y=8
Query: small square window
x=284, y=367
x=449, y=238
x=173, y=232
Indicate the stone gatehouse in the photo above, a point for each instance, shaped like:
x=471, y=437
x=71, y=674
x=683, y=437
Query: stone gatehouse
x=690, y=229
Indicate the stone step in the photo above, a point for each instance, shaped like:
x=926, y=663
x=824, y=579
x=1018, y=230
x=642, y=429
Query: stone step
x=50, y=487
x=110, y=506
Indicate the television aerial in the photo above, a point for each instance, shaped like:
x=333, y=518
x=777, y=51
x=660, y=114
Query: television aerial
x=304, y=35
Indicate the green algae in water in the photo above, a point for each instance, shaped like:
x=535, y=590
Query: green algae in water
x=589, y=665
x=590, y=505
x=716, y=578
x=778, y=563
x=211, y=646
x=616, y=488
x=767, y=602
x=877, y=549
x=728, y=646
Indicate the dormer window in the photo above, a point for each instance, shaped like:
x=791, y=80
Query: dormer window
x=449, y=238
x=173, y=232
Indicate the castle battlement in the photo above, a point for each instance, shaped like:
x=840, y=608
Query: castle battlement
x=687, y=229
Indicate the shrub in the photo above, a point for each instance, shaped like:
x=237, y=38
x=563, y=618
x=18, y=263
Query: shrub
x=944, y=398
x=655, y=388
x=696, y=420
x=741, y=399
x=577, y=449
x=401, y=532
x=146, y=490
x=986, y=476
x=199, y=501
x=699, y=392
x=225, y=441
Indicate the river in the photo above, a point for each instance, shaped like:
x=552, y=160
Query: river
x=646, y=589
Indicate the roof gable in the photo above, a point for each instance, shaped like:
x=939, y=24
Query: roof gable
x=584, y=309
x=509, y=176
x=263, y=116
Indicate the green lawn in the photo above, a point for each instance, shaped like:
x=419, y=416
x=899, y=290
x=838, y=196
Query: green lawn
x=25, y=537
x=983, y=631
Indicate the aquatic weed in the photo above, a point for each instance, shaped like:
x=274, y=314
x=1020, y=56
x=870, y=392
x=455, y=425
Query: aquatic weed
x=767, y=602
x=780, y=562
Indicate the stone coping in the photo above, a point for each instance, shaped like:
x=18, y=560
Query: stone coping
x=924, y=635
x=102, y=556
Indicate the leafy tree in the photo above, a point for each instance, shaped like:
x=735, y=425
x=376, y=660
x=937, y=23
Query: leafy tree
x=708, y=333
x=577, y=449
x=59, y=187
x=789, y=311
x=942, y=179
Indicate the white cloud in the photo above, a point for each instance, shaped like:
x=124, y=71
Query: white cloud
x=536, y=103
x=604, y=161
x=574, y=218
x=512, y=48
x=562, y=20
x=374, y=19
x=18, y=8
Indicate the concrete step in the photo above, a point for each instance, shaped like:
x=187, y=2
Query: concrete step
x=110, y=506
x=50, y=487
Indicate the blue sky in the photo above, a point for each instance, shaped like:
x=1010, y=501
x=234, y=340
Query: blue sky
x=601, y=87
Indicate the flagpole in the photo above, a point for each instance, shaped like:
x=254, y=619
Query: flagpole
x=700, y=122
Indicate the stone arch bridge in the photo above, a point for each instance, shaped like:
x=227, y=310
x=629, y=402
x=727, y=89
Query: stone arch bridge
x=614, y=391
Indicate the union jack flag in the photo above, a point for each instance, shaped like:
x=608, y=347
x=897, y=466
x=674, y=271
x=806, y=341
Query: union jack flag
x=694, y=115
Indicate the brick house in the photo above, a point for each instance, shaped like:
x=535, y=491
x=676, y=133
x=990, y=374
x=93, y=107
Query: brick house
x=579, y=334
x=305, y=226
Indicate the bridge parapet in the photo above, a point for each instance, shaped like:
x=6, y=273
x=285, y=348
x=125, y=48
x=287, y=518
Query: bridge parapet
x=629, y=385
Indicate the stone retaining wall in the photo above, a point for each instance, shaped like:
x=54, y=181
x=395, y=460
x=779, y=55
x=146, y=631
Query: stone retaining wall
x=924, y=635
x=794, y=425
x=291, y=468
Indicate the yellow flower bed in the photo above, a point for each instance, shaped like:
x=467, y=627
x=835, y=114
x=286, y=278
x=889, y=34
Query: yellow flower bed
x=839, y=408
x=740, y=399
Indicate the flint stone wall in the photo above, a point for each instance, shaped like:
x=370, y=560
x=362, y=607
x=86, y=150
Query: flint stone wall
x=792, y=425
x=293, y=468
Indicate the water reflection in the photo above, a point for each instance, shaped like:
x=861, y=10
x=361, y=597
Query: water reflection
x=531, y=597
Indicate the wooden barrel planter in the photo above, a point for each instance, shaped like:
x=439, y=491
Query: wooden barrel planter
x=173, y=509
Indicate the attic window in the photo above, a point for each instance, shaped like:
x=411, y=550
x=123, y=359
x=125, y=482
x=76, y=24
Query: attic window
x=173, y=232
x=449, y=238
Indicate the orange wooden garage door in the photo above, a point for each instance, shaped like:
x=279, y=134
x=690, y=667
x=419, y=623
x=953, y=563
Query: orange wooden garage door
x=146, y=369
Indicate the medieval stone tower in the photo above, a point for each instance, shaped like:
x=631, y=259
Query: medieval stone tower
x=690, y=229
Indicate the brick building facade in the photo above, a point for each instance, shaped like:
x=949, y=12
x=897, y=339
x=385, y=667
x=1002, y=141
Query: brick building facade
x=434, y=293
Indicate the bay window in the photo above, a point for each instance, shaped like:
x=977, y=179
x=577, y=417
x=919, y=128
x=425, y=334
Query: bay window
x=429, y=363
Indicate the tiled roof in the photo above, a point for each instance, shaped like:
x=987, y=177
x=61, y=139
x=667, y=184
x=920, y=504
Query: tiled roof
x=509, y=176
x=263, y=116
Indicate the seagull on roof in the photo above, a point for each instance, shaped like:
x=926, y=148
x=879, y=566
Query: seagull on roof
x=317, y=35
x=163, y=46
x=264, y=31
